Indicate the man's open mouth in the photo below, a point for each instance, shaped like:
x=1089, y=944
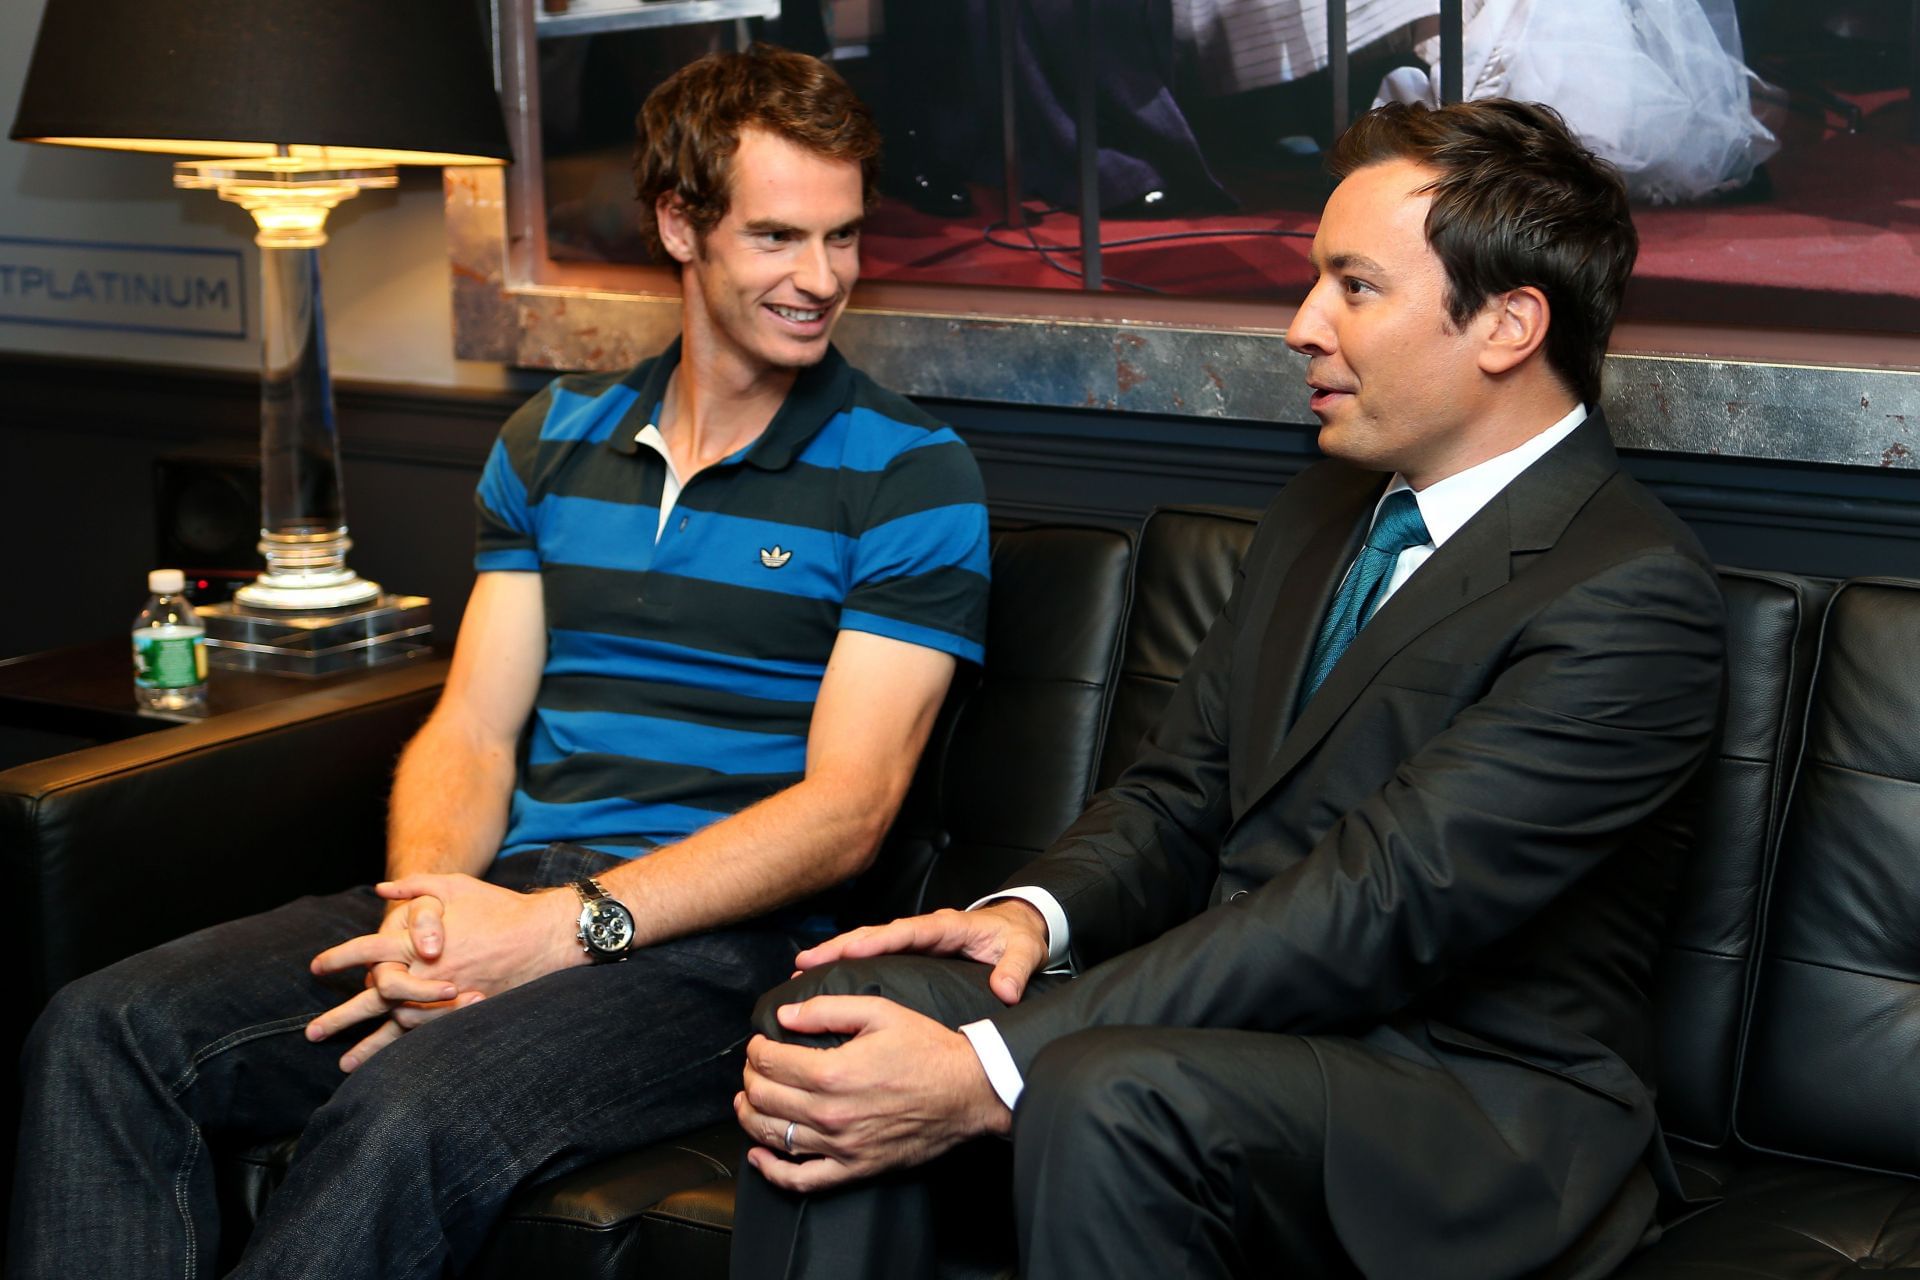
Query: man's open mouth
x=799, y=315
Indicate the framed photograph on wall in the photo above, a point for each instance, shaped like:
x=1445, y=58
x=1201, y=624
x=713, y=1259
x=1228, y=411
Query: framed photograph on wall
x=1105, y=205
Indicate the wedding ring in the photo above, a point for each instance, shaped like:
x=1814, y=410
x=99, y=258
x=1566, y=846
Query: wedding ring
x=791, y=1125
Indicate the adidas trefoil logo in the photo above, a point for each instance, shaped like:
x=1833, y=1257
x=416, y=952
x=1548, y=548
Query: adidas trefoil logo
x=774, y=557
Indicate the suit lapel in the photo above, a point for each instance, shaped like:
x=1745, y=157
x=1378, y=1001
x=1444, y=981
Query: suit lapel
x=1528, y=515
x=1306, y=591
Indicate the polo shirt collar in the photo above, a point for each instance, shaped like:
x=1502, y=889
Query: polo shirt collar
x=817, y=394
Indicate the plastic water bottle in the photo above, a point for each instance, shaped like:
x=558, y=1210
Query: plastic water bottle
x=169, y=660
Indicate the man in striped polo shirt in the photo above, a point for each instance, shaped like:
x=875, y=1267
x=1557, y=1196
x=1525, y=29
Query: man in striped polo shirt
x=720, y=599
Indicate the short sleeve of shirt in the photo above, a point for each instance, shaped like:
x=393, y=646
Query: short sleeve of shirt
x=504, y=539
x=920, y=566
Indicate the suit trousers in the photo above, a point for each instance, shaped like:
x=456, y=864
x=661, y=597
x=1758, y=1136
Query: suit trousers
x=1136, y=1151
x=403, y=1165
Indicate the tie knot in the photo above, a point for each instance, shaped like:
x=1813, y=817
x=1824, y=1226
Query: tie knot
x=1398, y=526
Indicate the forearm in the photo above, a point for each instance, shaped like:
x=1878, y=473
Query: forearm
x=449, y=806
x=788, y=846
x=809, y=837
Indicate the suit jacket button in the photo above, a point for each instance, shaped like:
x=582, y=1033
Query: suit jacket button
x=1236, y=895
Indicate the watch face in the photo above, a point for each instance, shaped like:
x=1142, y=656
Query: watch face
x=607, y=926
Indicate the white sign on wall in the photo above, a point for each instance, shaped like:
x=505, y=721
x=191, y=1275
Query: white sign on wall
x=129, y=287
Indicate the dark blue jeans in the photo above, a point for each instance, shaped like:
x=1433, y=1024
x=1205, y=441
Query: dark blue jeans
x=402, y=1166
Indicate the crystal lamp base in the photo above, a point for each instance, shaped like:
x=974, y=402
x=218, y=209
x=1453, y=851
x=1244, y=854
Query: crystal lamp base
x=389, y=629
x=306, y=591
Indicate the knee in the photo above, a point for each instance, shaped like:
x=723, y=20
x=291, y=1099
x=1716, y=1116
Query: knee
x=789, y=992
x=842, y=978
x=945, y=989
x=90, y=1017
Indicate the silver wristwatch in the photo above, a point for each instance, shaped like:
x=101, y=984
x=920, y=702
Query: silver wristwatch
x=606, y=926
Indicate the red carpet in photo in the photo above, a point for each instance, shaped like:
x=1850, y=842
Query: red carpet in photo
x=1834, y=244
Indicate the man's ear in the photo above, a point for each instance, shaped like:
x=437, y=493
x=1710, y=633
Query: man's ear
x=677, y=234
x=1516, y=326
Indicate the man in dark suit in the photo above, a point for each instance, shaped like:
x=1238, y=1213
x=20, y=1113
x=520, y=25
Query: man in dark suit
x=1363, y=941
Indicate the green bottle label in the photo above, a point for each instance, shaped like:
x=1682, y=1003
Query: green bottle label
x=168, y=662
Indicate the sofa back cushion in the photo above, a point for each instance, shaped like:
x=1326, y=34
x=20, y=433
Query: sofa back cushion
x=1182, y=575
x=1828, y=1071
x=1704, y=969
x=1012, y=760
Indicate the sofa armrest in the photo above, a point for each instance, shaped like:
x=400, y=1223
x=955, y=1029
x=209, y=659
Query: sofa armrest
x=119, y=847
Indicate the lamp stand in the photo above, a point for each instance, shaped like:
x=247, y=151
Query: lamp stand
x=307, y=589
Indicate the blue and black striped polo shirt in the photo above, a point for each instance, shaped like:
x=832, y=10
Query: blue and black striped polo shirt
x=681, y=673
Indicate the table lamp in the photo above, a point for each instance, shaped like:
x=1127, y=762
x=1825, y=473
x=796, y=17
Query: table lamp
x=290, y=107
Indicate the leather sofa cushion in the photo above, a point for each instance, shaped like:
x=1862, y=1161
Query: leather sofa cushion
x=1783, y=1220
x=1017, y=764
x=1182, y=576
x=664, y=1211
x=1703, y=972
x=1828, y=1071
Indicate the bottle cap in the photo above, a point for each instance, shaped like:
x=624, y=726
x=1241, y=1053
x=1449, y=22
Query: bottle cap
x=166, y=582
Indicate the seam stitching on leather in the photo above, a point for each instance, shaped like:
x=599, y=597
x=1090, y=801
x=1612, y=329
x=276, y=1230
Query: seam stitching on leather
x=1904, y=979
x=1837, y=767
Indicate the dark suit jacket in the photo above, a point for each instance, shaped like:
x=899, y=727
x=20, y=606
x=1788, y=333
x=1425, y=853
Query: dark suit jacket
x=1451, y=870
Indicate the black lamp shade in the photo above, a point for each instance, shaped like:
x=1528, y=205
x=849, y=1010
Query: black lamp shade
x=408, y=79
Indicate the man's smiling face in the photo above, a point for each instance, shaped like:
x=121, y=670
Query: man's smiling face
x=768, y=281
x=1396, y=386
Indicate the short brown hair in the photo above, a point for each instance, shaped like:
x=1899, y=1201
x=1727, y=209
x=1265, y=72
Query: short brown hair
x=1519, y=201
x=690, y=126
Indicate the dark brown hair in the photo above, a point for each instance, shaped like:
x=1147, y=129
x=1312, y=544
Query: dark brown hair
x=690, y=126
x=1518, y=201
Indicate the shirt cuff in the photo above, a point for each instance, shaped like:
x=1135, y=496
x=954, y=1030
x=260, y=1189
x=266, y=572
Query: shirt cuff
x=1049, y=908
x=995, y=1058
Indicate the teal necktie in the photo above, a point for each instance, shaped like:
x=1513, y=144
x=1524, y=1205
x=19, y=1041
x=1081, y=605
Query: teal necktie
x=1396, y=527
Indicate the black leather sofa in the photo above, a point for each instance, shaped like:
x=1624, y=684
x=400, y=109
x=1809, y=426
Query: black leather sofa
x=1789, y=996
x=118, y=847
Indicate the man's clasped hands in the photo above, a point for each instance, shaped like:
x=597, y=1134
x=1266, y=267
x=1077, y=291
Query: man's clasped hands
x=899, y=1091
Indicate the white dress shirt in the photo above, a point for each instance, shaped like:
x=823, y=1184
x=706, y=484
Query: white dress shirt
x=1445, y=505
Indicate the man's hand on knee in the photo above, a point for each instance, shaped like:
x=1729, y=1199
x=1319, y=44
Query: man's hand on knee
x=1008, y=934
x=903, y=1090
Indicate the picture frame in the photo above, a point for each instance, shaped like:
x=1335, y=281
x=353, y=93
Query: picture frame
x=1780, y=395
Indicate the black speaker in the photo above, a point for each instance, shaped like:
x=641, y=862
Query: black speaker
x=207, y=507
